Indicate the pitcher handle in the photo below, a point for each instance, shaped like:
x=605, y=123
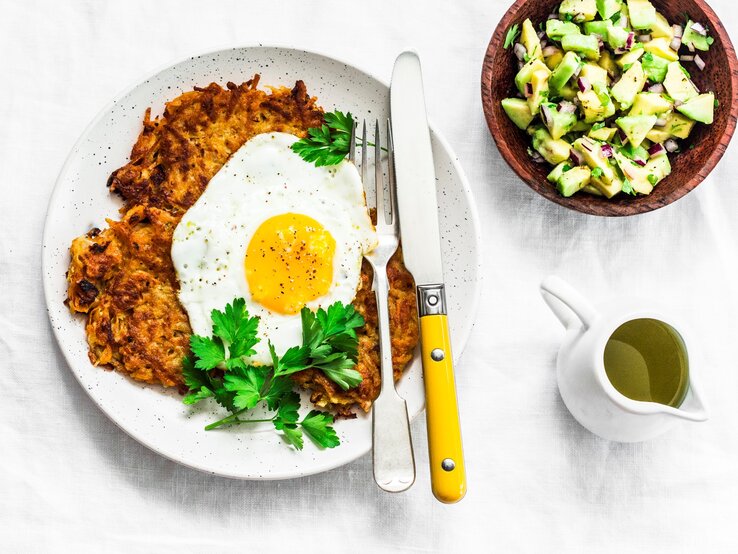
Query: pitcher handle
x=567, y=304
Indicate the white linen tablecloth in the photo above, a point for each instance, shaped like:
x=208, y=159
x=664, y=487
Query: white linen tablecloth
x=71, y=481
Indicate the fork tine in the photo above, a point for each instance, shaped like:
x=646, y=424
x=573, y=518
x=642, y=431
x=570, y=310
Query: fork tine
x=394, y=220
x=352, y=145
x=378, y=176
x=364, y=170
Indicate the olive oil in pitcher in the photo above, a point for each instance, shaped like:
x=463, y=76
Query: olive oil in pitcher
x=646, y=359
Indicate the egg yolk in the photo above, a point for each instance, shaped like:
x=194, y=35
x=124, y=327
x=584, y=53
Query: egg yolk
x=289, y=262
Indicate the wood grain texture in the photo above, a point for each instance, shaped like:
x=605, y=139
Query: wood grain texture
x=701, y=151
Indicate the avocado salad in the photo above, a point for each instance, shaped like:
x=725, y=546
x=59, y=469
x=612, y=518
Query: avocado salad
x=604, y=93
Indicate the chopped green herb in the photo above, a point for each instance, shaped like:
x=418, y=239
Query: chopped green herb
x=597, y=172
x=511, y=36
x=652, y=179
x=628, y=188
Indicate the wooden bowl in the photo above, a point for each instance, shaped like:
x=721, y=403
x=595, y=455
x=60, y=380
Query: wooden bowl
x=700, y=152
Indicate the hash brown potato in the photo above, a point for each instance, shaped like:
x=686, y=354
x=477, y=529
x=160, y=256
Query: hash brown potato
x=123, y=279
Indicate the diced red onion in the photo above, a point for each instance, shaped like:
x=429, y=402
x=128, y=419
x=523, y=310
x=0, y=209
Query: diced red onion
x=699, y=62
x=521, y=63
x=691, y=47
x=600, y=43
x=660, y=122
x=623, y=137
x=566, y=107
x=606, y=151
x=578, y=70
x=629, y=41
x=583, y=84
x=619, y=51
x=644, y=38
x=640, y=161
x=549, y=51
x=686, y=58
x=622, y=22
x=553, y=16
x=519, y=51
x=677, y=103
x=676, y=43
x=576, y=157
x=658, y=88
x=699, y=29
x=678, y=31
x=541, y=34
x=656, y=150
x=544, y=43
x=528, y=89
x=671, y=145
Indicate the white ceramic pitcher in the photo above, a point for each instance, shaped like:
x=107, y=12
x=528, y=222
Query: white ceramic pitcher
x=585, y=388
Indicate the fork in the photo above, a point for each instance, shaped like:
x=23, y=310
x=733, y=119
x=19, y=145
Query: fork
x=394, y=464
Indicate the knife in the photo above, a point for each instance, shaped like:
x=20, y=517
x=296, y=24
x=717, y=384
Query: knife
x=421, y=241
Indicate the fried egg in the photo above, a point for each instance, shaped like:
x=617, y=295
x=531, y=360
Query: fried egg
x=276, y=231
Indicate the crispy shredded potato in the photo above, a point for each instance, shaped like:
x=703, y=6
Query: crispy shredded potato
x=123, y=279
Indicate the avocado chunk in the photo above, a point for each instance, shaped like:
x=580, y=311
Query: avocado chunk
x=642, y=14
x=657, y=169
x=526, y=72
x=555, y=29
x=558, y=123
x=596, y=107
x=649, y=103
x=628, y=59
x=608, y=8
x=678, y=84
x=591, y=189
x=700, y=42
x=607, y=63
x=604, y=134
x=573, y=181
x=567, y=92
x=661, y=47
x=565, y=71
x=591, y=151
x=597, y=28
x=630, y=84
x=539, y=86
x=654, y=67
x=518, y=111
x=529, y=39
x=587, y=45
x=634, y=173
x=554, y=151
x=579, y=10
x=661, y=28
x=617, y=37
x=636, y=127
x=558, y=171
x=594, y=74
x=554, y=59
x=677, y=126
x=700, y=108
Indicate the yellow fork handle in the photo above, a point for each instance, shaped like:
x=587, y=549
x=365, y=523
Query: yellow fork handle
x=448, y=476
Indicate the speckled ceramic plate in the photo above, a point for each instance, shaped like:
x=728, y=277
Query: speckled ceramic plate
x=81, y=200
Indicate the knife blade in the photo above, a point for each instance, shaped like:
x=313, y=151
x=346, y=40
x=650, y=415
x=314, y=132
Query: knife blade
x=417, y=207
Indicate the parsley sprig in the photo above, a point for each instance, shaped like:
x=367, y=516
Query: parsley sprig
x=219, y=369
x=330, y=143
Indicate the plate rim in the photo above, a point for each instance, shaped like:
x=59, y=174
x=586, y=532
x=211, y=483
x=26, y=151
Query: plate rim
x=46, y=253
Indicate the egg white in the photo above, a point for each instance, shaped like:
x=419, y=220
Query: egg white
x=265, y=178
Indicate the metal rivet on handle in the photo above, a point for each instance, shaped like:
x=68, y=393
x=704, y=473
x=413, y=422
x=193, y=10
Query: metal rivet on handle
x=448, y=464
x=437, y=354
x=432, y=300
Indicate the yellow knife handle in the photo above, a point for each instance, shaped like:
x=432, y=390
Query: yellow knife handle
x=448, y=476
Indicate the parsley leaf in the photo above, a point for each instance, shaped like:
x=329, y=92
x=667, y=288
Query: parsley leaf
x=286, y=420
x=597, y=172
x=328, y=144
x=197, y=381
x=247, y=383
x=317, y=426
x=210, y=353
x=512, y=34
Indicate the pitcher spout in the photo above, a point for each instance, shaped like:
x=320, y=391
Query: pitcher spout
x=693, y=408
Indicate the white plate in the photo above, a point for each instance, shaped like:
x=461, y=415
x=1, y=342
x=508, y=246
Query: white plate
x=80, y=201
